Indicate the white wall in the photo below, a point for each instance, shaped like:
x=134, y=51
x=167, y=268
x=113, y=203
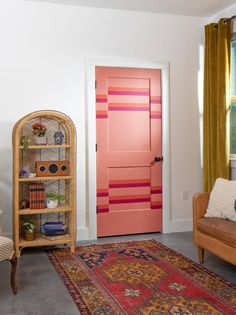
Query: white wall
x=42, y=66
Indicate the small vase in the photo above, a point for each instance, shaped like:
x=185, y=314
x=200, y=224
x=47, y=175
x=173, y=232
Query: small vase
x=25, y=141
x=51, y=204
x=28, y=236
x=40, y=140
x=58, y=137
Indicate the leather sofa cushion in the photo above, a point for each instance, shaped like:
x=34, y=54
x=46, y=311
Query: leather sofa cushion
x=222, y=229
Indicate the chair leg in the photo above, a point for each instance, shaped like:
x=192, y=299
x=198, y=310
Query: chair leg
x=201, y=254
x=13, y=262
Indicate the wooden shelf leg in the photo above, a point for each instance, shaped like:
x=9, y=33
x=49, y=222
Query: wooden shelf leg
x=17, y=251
x=72, y=248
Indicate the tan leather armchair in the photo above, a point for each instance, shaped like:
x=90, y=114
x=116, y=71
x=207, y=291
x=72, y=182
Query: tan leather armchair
x=7, y=252
x=215, y=235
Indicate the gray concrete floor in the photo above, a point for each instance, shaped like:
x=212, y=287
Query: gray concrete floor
x=41, y=292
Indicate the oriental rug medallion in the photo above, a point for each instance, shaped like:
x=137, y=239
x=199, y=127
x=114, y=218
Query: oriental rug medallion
x=141, y=277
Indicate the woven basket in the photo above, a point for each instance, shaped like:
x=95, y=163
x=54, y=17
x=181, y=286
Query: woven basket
x=28, y=236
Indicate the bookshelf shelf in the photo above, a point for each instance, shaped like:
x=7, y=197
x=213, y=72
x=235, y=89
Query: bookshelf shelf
x=42, y=179
x=62, y=208
x=46, y=146
x=40, y=241
x=30, y=192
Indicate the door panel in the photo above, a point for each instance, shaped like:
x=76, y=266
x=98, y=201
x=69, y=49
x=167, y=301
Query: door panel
x=129, y=182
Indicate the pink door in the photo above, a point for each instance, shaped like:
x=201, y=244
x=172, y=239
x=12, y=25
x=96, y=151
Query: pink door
x=129, y=133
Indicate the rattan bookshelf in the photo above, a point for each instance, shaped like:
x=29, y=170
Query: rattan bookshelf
x=26, y=157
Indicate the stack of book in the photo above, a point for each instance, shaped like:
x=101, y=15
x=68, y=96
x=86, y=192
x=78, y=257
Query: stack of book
x=53, y=229
x=37, y=196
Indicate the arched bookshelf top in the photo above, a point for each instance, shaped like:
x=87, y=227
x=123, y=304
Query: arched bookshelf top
x=53, y=120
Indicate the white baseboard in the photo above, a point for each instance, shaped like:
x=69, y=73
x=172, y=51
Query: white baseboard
x=183, y=225
x=82, y=234
x=179, y=225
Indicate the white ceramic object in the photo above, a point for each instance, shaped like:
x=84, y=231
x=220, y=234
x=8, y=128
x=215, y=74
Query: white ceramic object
x=51, y=204
x=40, y=140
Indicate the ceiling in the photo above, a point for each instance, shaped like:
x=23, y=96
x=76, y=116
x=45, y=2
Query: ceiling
x=204, y=8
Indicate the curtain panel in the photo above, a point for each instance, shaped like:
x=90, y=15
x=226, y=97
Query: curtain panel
x=216, y=102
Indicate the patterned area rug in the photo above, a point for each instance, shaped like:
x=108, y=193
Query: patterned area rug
x=141, y=277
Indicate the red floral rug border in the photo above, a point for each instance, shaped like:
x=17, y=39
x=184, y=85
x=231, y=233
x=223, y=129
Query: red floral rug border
x=74, y=293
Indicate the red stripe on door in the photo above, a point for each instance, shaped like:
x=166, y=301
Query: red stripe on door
x=156, y=205
x=128, y=106
x=128, y=91
x=102, y=208
x=155, y=99
x=129, y=183
x=156, y=190
x=101, y=98
x=129, y=199
x=102, y=192
x=101, y=114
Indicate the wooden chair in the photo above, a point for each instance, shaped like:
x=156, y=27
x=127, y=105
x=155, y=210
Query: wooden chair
x=7, y=252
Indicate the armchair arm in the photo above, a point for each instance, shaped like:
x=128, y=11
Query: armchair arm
x=200, y=202
x=0, y=222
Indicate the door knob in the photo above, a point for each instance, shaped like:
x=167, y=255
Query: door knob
x=158, y=158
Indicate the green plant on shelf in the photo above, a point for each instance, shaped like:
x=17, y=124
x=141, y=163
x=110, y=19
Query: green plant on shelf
x=28, y=230
x=28, y=227
x=53, y=196
x=53, y=199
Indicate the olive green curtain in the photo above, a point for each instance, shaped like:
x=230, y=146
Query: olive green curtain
x=216, y=102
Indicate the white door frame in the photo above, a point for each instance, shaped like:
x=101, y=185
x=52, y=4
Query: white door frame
x=91, y=169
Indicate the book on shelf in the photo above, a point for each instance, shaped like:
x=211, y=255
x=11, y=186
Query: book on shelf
x=53, y=226
x=37, y=196
x=53, y=233
x=53, y=223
